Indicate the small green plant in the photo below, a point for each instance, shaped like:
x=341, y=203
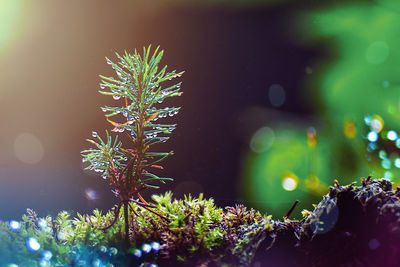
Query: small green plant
x=139, y=89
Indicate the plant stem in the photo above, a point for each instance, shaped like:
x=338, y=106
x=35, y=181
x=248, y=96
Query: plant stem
x=126, y=217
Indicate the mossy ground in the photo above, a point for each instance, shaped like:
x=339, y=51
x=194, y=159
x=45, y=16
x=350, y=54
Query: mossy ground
x=351, y=226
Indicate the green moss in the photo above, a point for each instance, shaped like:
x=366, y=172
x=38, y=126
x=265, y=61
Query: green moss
x=351, y=224
x=194, y=230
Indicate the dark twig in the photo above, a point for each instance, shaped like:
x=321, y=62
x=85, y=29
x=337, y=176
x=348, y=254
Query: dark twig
x=152, y=211
x=116, y=214
x=130, y=206
x=291, y=209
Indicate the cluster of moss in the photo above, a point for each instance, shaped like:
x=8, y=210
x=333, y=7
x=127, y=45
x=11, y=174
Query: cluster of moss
x=194, y=231
x=352, y=226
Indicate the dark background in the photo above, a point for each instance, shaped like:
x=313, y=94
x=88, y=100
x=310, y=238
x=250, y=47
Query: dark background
x=49, y=82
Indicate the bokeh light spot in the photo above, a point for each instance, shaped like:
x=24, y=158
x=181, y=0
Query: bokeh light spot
x=155, y=246
x=372, y=136
x=385, y=84
x=62, y=235
x=28, y=148
x=91, y=194
x=373, y=244
x=47, y=255
x=42, y=223
x=276, y=95
x=377, y=52
x=44, y=263
x=388, y=175
x=113, y=251
x=262, y=140
x=311, y=137
x=11, y=14
x=146, y=248
x=377, y=123
x=312, y=182
x=397, y=163
x=392, y=135
x=33, y=244
x=289, y=182
x=14, y=225
x=367, y=120
x=349, y=129
x=96, y=263
x=386, y=163
x=371, y=147
x=137, y=253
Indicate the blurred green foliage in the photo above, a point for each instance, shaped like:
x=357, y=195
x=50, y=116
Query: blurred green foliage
x=356, y=77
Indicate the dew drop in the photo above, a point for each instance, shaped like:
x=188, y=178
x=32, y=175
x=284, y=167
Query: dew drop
x=116, y=97
x=155, y=246
x=146, y=248
x=14, y=225
x=96, y=263
x=33, y=244
x=44, y=263
x=113, y=251
x=42, y=223
x=137, y=253
x=47, y=255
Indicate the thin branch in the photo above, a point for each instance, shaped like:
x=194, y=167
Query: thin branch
x=116, y=214
x=152, y=211
x=130, y=206
x=291, y=209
